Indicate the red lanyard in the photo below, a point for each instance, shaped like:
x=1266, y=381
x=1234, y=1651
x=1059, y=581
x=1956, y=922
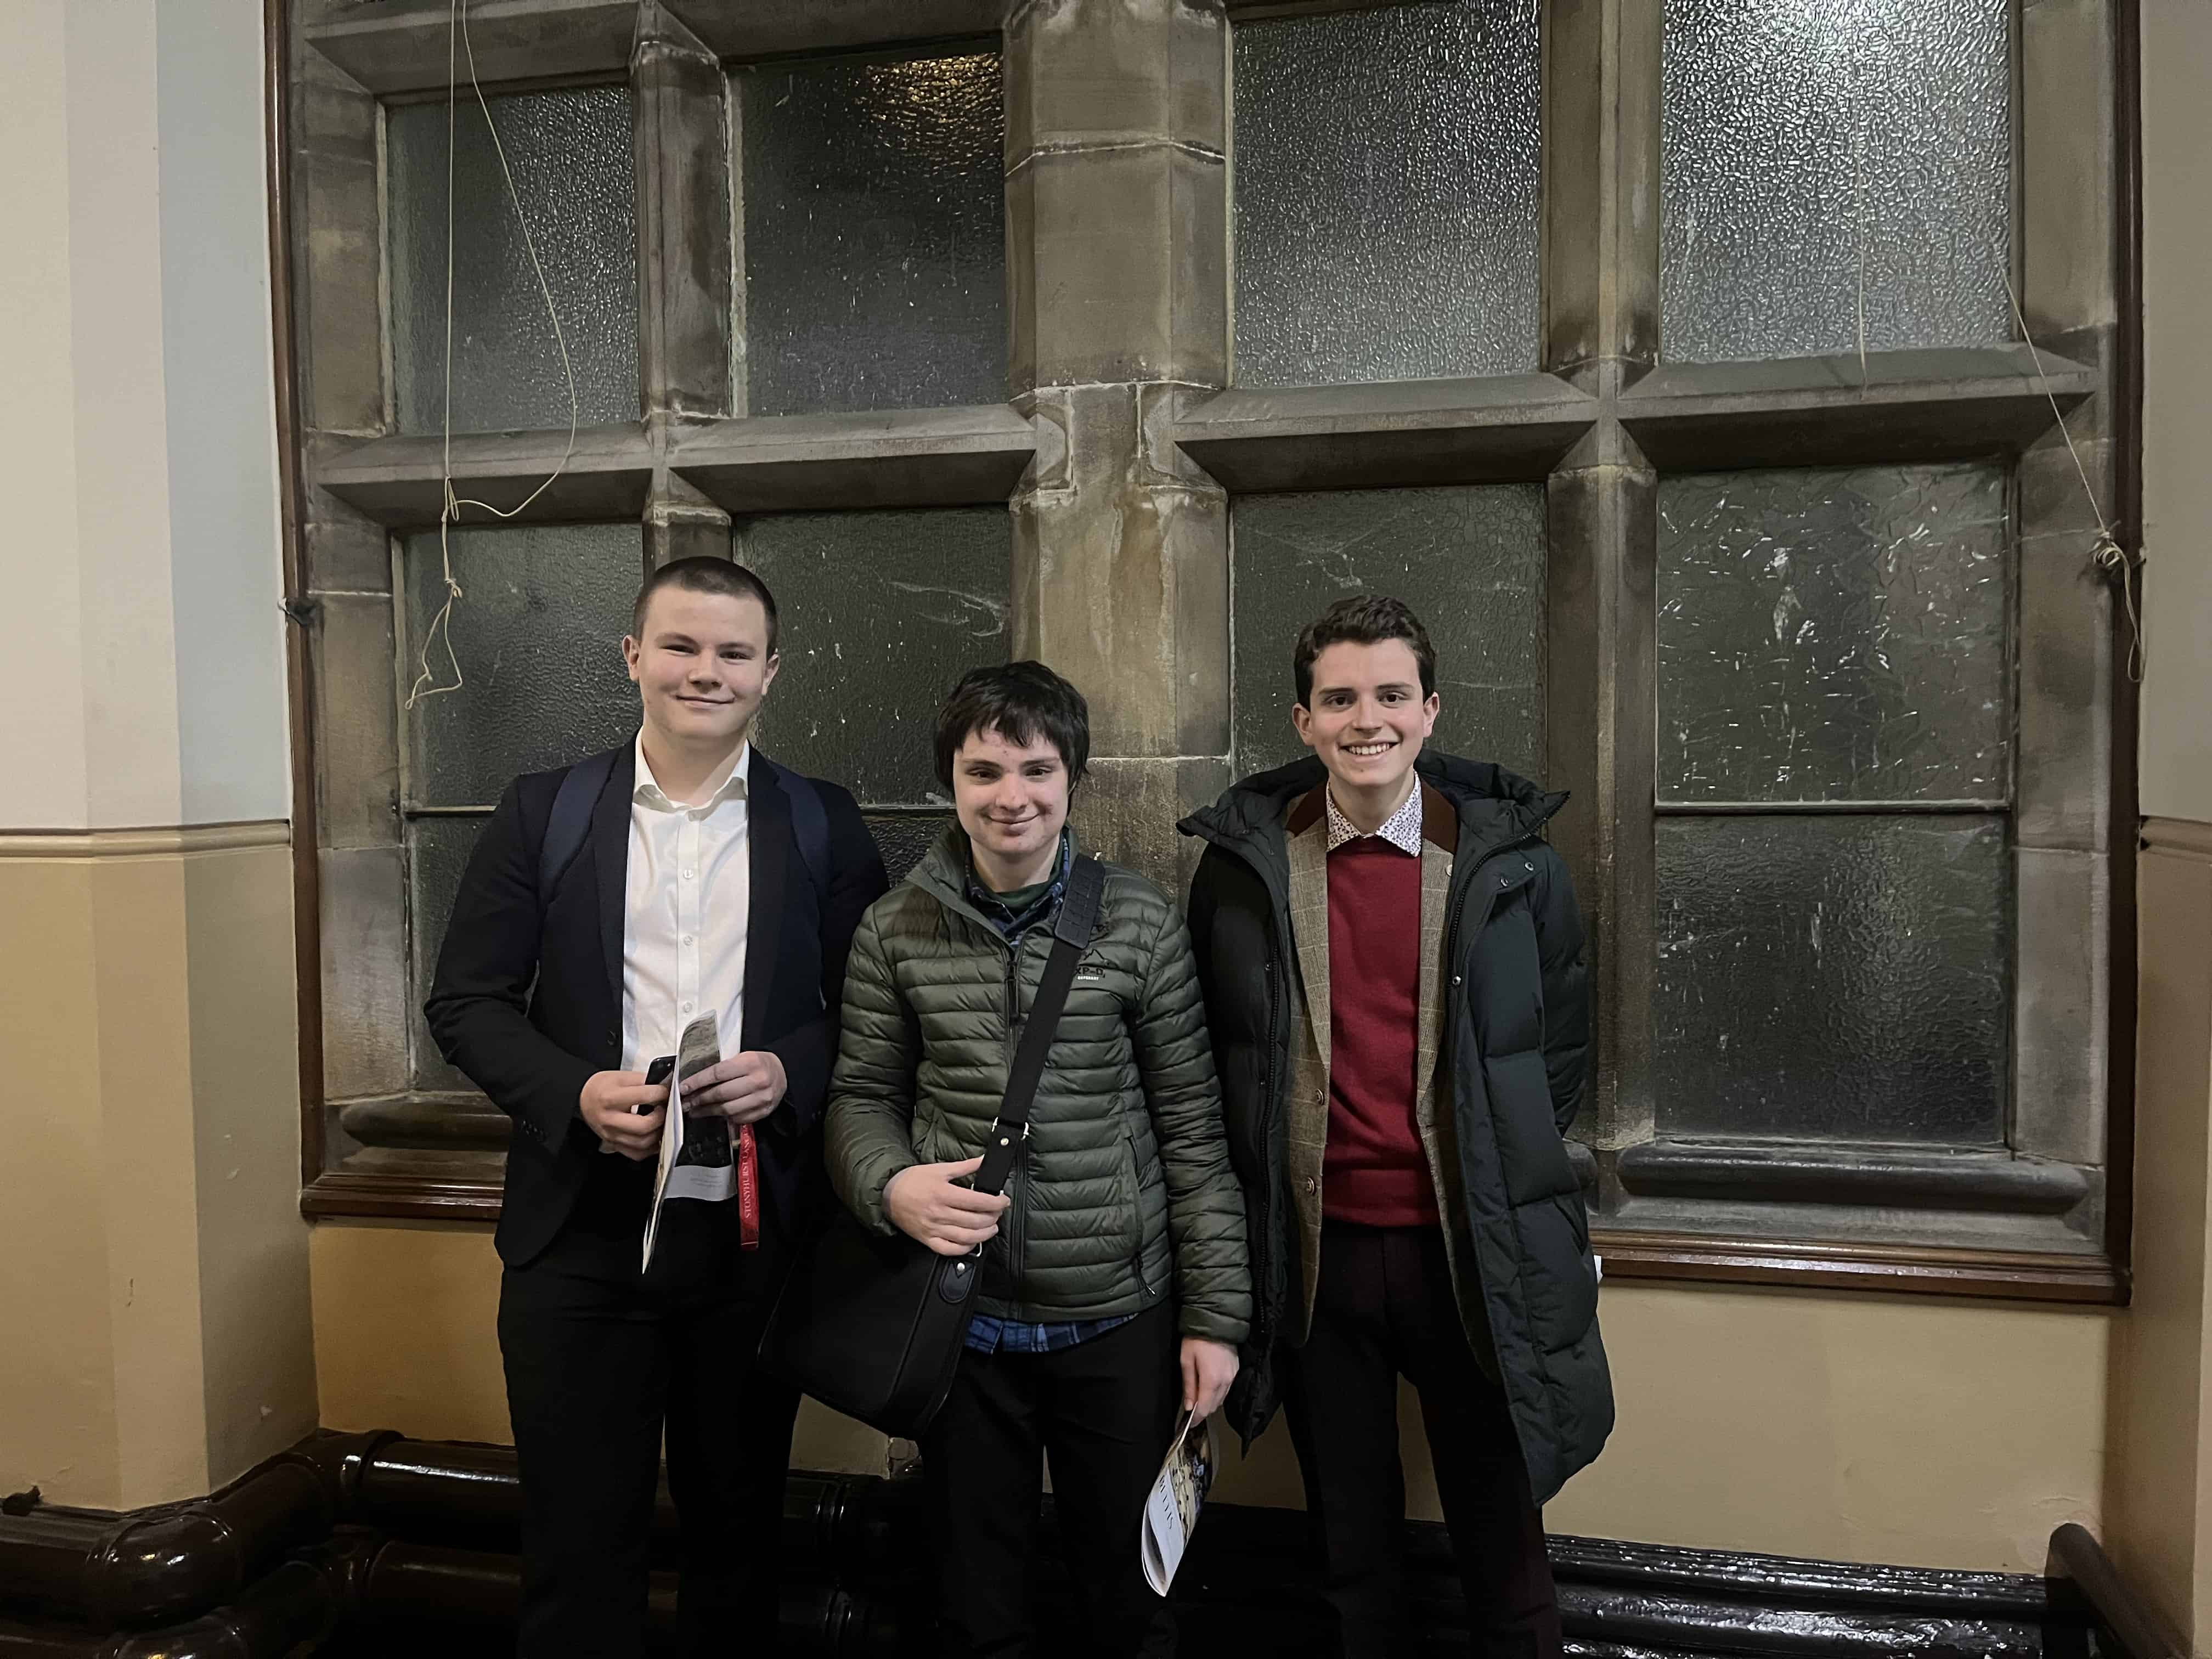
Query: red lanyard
x=749, y=1216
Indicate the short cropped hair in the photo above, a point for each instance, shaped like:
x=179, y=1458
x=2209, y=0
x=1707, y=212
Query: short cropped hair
x=1021, y=701
x=1362, y=619
x=704, y=574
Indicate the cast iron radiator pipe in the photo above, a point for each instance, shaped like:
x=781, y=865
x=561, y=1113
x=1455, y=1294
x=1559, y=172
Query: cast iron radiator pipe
x=376, y=1541
x=156, y=1566
x=420, y=1520
x=2079, y=1565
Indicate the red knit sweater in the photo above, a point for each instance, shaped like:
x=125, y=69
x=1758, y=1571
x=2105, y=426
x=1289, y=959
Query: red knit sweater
x=1375, y=1171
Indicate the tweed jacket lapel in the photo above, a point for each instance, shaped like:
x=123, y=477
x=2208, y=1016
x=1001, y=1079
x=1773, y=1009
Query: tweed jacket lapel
x=1308, y=844
x=1305, y=1112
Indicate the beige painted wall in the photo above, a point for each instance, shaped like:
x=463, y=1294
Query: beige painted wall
x=2160, y=1528
x=150, y=1235
x=2159, y=1498
x=59, y=1392
x=2176, y=146
x=138, y=426
x=1869, y=1429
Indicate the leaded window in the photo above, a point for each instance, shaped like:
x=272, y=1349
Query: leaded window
x=1697, y=369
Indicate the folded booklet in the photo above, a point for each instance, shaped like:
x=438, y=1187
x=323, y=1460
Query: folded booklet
x=700, y=1156
x=1171, y=1510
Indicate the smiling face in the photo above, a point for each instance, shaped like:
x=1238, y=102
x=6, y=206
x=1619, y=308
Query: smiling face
x=1366, y=718
x=1011, y=799
x=701, y=663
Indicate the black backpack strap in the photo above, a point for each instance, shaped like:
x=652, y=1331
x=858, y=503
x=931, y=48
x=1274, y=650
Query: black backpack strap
x=1070, y=932
x=810, y=820
x=570, y=822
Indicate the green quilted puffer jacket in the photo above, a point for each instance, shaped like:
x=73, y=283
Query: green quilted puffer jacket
x=1124, y=1195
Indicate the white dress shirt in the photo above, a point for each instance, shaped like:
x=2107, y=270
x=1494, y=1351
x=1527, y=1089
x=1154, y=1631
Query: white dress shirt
x=688, y=900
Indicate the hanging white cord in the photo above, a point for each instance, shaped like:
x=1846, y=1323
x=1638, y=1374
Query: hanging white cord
x=2108, y=556
x=1858, y=193
x=441, y=629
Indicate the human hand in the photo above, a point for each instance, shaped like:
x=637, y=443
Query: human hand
x=1208, y=1369
x=744, y=1088
x=924, y=1204
x=608, y=1104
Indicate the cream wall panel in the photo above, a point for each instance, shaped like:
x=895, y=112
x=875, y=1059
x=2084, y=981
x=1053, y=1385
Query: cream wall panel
x=57, y=1390
x=128, y=679
x=219, y=379
x=2160, y=1530
x=150, y=1243
x=407, y=1338
x=406, y=1329
x=141, y=1055
x=138, y=426
x=2177, y=251
x=255, y=1327
x=1918, y=1431
x=42, y=761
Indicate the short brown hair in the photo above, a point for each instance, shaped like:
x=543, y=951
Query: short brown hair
x=704, y=574
x=1362, y=619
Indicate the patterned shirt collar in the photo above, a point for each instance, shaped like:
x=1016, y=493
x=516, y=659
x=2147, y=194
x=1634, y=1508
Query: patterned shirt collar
x=994, y=908
x=1402, y=829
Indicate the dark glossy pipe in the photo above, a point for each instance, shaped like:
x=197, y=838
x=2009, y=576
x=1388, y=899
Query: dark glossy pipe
x=159, y=1566
x=156, y=1566
x=2077, y=1558
x=283, y=1611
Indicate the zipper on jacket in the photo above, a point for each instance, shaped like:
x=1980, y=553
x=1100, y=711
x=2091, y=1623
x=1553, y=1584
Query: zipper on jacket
x=1014, y=1174
x=1137, y=1203
x=1263, y=1307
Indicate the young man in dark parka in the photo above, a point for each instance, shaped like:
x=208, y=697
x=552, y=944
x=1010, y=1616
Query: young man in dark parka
x=1396, y=984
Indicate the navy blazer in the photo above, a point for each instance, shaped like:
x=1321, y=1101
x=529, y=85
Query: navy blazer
x=527, y=997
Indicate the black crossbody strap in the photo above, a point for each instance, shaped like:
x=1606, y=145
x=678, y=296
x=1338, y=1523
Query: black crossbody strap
x=1070, y=932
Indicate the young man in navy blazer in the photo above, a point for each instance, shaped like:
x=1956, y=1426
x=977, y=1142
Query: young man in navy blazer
x=705, y=879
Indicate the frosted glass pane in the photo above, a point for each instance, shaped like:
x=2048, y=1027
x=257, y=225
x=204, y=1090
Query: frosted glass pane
x=1806, y=142
x=437, y=853
x=1832, y=977
x=1834, y=635
x=881, y=612
x=570, y=152
x=875, y=260
x=538, y=633
x=1469, y=561
x=1387, y=193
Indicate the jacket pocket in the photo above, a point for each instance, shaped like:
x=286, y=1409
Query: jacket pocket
x=1558, y=1273
x=1129, y=1197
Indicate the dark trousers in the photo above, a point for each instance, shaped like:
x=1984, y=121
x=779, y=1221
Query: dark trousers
x=1102, y=1411
x=596, y=1365
x=1384, y=1308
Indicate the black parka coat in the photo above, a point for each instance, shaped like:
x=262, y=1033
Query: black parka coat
x=1512, y=1071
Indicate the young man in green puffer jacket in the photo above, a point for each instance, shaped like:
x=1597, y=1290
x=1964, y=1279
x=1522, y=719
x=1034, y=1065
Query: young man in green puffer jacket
x=1114, y=1288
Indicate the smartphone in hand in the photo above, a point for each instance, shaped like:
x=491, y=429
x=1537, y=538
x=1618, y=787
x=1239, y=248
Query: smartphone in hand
x=659, y=1072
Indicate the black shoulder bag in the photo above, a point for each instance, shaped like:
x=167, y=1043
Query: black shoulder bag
x=872, y=1325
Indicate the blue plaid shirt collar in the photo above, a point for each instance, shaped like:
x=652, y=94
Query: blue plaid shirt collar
x=1010, y=926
